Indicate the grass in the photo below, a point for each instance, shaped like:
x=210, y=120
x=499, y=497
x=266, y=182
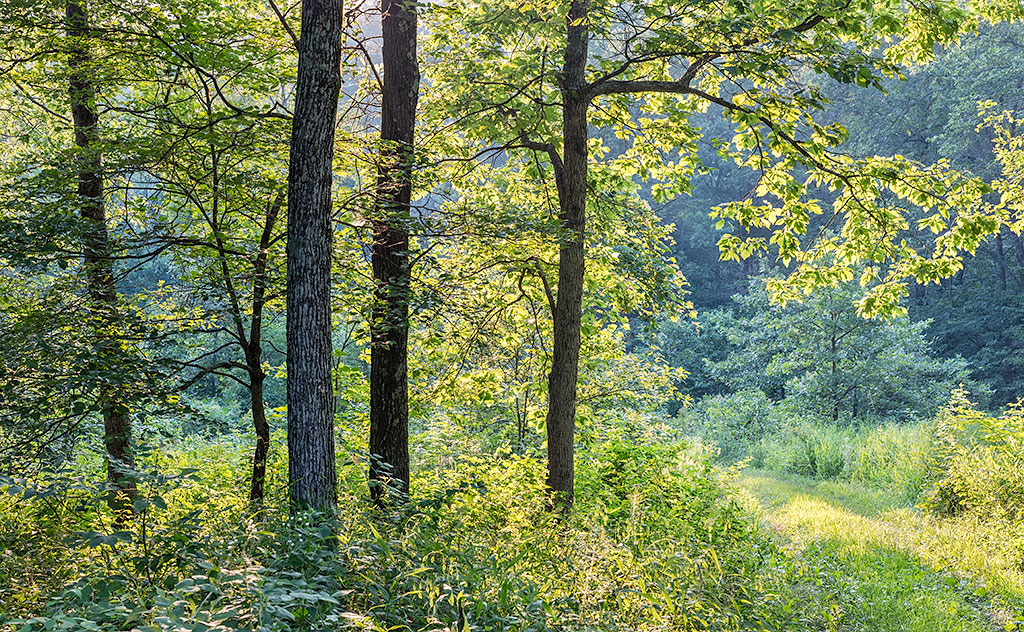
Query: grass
x=890, y=566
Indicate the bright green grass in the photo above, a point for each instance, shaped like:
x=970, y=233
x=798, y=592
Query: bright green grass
x=883, y=567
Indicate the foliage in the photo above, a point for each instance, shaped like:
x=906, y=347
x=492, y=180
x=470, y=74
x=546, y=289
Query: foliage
x=892, y=457
x=728, y=104
x=656, y=544
x=821, y=356
x=976, y=464
x=890, y=567
x=737, y=423
x=690, y=345
x=747, y=427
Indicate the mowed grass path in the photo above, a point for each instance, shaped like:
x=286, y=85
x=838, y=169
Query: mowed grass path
x=882, y=567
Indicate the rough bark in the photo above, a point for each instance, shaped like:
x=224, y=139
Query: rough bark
x=572, y=195
x=96, y=251
x=262, y=428
x=311, y=470
x=389, y=327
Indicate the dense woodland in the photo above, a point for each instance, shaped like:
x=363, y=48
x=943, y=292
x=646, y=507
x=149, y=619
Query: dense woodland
x=493, y=315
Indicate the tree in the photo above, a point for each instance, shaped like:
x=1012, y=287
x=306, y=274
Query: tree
x=640, y=69
x=821, y=355
x=311, y=468
x=389, y=323
x=64, y=255
x=96, y=251
x=220, y=193
x=934, y=115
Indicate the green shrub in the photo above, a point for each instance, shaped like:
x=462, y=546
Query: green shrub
x=737, y=424
x=654, y=543
x=976, y=461
x=809, y=448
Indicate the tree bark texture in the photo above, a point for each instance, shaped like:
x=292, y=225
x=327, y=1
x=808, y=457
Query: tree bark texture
x=262, y=428
x=572, y=196
x=311, y=470
x=389, y=327
x=96, y=251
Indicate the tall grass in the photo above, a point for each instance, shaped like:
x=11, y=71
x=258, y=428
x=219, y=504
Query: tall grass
x=782, y=438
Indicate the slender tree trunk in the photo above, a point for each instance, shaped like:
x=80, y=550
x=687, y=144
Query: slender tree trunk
x=254, y=356
x=262, y=428
x=1000, y=258
x=99, y=269
x=572, y=196
x=389, y=326
x=1018, y=250
x=311, y=470
x=833, y=347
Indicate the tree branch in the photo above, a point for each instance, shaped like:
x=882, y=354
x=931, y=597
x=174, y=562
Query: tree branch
x=548, y=148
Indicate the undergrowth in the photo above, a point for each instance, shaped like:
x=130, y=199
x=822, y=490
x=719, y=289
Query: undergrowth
x=655, y=543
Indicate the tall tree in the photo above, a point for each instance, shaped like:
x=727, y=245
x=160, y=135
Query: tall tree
x=96, y=250
x=571, y=183
x=821, y=356
x=311, y=469
x=389, y=326
x=640, y=70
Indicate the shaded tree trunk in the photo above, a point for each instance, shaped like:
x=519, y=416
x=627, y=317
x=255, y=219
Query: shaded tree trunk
x=262, y=428
x=254, y=357
x=833, y=350
x=1000, y=258
x=99, y=269
x=311, y=470
x=389, y=326
x=571, y=179
x=1018, y=250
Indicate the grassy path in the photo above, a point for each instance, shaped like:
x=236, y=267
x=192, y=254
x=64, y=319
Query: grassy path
x=881, y=567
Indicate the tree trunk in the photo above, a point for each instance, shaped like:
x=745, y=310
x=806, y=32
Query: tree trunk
x=836, y=397
x=1000, y=258
x=572, y=197
x=389, y=326
x=1018, y=251
x=262, y=428
x=254, y=356
x=311, y=470
x=99, y=269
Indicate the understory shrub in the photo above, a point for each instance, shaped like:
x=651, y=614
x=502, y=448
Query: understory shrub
x=654, y=543
x=893, y=458
x=818, y=450
x=976, y=462
x=782, y=437
x=737, y=423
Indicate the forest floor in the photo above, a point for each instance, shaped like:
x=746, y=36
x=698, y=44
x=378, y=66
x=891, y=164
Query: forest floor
x=880, y=565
